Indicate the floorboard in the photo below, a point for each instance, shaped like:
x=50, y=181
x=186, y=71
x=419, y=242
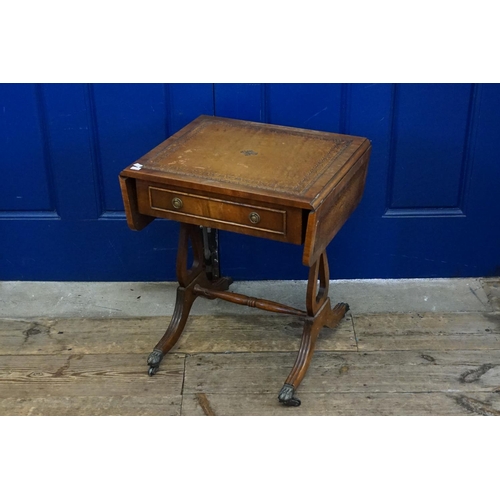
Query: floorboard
x=67, y=375
x=346, y=404
x=371, y=364
x=334, y=372
x=149, y=405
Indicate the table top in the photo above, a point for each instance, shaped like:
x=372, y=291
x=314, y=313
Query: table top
x=297, y=166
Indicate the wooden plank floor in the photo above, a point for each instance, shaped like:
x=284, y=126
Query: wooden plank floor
x=378, y=364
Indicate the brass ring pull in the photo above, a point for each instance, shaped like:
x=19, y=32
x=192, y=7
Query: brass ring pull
x=177, y=203
x=254, y=218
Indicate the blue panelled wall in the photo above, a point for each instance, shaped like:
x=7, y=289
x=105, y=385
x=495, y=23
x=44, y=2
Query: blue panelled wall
x=431, y=207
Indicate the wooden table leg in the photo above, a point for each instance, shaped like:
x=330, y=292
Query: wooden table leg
x=188, y=278
x=319, y=314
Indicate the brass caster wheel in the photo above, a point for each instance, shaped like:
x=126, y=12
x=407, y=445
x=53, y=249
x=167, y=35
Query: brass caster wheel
x=291, y=402
x=154, y=361
x=286, y=396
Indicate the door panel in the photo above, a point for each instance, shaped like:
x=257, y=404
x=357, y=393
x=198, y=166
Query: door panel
x=429, y=139
x=314, y=106
x=90, y=133
x=241, y=101
x=431, y=206
x=127, y=120
x=26, y=178
x=424, y=241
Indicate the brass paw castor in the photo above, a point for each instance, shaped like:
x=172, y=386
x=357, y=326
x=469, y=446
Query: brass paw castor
x=286, y=396
x=154, y=361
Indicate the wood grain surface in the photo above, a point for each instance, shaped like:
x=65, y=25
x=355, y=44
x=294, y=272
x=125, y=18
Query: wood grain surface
x=378, y=364
x=271, y=162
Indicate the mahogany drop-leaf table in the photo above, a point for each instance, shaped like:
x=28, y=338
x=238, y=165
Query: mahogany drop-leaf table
x=287, y=184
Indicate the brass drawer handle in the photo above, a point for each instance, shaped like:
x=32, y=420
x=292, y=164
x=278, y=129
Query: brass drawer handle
x=177, y=203
x=254, y=218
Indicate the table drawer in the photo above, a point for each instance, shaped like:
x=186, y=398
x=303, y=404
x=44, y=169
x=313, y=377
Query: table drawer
x=211, y=211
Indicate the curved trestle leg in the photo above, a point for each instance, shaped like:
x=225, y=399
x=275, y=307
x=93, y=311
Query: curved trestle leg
x=320, y=314
x=188, y=278
x=183, y=303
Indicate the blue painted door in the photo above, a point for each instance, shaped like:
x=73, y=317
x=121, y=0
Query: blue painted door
x=431, y=205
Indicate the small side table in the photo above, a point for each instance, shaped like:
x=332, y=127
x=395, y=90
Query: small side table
x=287, y=184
